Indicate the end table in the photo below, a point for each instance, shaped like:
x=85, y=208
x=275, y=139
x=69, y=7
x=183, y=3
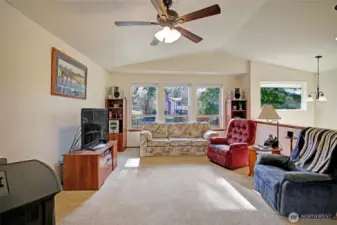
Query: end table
x=291, y=142
x=253, y=156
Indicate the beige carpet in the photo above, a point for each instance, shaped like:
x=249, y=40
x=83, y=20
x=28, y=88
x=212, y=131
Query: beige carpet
x=175, y=191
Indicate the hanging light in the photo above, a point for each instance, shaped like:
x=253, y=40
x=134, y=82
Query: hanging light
x=168, y=35
x=318, y=95
x=172, y=36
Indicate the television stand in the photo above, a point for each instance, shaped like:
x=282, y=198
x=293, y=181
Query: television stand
x=85, y=169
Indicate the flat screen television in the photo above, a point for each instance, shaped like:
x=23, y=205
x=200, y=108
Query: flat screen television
x=94, y=127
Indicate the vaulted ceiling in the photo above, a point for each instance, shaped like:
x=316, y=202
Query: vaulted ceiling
x=282, y=32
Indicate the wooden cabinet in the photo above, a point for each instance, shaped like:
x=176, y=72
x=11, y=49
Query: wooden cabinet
x=236, y=109
x=117, y=111
x=87, y=169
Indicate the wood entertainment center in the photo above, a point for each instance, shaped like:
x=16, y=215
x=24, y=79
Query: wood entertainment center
x=86, y=169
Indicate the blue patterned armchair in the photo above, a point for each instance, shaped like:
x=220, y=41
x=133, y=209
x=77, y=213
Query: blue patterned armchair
x=305, y=182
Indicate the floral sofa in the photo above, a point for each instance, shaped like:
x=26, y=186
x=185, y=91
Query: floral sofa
x=175, y=139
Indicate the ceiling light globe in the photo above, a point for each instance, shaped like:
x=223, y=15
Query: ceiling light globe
x=160, y=35
x=322, y=98
x=310, y=99
x=172, y=36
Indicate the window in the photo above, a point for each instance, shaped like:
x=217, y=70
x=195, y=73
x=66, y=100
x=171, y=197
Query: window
x=144, y=105
x=282, y=96
x=208, y=105
x=176, y=104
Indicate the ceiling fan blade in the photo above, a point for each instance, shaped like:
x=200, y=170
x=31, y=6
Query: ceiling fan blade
x=188, y=34
x=202, y=13
x=134, y=23
x=159, y=5
x=154, y=42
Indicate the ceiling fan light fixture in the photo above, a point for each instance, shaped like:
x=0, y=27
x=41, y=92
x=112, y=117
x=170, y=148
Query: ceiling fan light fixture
x=172, y=36
x=161, y=35
x=168, y=35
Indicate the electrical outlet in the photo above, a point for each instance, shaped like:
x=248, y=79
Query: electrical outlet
x=3, y=184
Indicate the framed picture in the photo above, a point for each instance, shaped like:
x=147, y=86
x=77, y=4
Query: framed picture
x=68, y=76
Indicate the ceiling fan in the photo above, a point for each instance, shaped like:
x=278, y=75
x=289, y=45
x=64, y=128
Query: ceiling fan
x=169, y=18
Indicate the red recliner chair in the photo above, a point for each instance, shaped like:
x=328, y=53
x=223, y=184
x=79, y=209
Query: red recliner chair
x=232, y=151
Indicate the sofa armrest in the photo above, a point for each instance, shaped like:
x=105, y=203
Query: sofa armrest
x=210, y=134
x=272, y=159
x=303, y=177
x=218, y=141
x=238, y=145
x=304, y=194
x=146, y=134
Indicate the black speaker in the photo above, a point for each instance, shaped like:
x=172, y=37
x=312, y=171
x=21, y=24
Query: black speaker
x=115, y=92
x=237, y=93
x=290, y=134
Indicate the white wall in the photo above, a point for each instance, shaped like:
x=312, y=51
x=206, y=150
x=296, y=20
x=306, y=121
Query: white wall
x=266, y=72
x=326, y=111
x=125, y=81
x=34, y=124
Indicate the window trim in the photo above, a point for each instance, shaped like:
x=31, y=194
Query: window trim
x=287, y=84
x=221, y=110
x=131, y=106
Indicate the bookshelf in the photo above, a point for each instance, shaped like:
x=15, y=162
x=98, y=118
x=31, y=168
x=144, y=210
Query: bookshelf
x=117, y=111
x=236, y=109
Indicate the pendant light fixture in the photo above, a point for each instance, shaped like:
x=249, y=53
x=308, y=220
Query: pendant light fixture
x=318, y=95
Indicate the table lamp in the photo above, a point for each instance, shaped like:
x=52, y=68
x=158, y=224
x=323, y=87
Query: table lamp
x=269, y=113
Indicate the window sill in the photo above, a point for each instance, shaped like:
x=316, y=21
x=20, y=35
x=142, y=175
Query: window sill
x=134, y=130
x=218, y=129
x=291, y=110
x=139, y=130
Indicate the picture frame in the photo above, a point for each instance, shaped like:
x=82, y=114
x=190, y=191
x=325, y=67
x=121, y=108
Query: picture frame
x=68, y=76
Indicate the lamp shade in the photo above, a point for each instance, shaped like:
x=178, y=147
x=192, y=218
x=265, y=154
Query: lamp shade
x=310, y=99
x=322, y=98
x=268, y=113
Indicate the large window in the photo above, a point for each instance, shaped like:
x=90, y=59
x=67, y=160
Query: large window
x=176, y=104
x=282, y=96
x=144, y=105
x=209, y=105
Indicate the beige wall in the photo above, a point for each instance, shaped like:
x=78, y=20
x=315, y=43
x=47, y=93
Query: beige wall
x=34, y=124
x=266, y=72
x=211, y=62
x=326, y=111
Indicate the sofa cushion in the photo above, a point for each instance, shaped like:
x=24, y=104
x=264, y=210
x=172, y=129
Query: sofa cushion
x=199, y=129
x=158, y=130
x=180, y=141
x=199, y=142
x=159, y=142
x=180, y=130
x=267, y=180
